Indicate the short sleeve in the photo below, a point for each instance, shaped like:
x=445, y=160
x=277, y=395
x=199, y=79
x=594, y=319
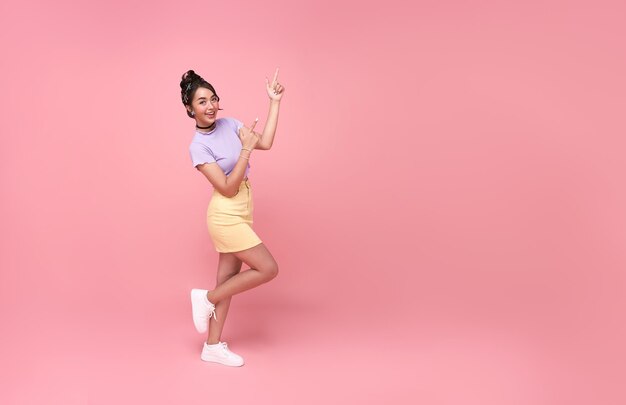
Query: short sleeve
x=236, y=124
x=200, y=154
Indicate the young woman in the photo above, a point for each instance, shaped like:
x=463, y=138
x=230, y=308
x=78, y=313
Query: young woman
x=221, y=149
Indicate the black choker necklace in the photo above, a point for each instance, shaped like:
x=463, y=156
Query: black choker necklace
x=206, y=127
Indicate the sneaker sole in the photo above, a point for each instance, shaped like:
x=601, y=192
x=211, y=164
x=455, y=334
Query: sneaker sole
x=200, y=328
x=220, y=361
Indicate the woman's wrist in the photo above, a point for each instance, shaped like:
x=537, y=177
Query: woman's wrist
x=245, y=153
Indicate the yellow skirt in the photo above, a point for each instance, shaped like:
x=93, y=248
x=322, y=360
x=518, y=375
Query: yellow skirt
x=230, y=220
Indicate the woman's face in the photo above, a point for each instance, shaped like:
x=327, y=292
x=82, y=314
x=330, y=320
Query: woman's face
x=205, y=106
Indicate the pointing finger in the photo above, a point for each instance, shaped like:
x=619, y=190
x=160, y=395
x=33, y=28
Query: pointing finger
x=275, y=77
x=254, y=123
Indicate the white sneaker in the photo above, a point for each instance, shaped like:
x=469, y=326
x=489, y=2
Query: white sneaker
x=201, y=309
x=220, y=353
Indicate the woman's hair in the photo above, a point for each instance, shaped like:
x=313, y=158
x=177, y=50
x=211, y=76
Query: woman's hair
x=189, y=84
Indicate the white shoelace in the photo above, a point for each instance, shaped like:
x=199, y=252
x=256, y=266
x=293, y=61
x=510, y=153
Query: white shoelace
x=213, y=314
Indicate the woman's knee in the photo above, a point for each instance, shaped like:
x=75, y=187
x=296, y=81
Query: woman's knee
x=260, y=259
x=271, y=271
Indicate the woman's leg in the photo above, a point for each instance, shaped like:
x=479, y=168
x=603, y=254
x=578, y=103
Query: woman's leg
x=228, y=266
x=262, y=269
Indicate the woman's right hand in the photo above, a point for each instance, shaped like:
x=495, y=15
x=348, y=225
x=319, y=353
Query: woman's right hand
x=248, y=137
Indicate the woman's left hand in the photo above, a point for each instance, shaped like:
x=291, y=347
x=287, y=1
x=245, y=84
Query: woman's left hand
x=274, y=89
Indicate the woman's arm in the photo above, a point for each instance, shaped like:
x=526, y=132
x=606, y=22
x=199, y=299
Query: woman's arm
x=275, y=92
x=267, y=138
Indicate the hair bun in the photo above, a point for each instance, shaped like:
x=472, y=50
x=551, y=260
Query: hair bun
x=188, y=77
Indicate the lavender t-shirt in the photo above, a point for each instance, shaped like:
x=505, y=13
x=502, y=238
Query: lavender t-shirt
x=221, y=145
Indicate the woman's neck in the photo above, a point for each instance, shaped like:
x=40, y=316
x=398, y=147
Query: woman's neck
x=211, y=128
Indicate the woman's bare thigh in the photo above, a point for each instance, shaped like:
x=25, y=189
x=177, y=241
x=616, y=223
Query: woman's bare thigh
x=258, y=258
x=227, y=266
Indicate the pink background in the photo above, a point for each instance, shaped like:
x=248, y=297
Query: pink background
x=445, y=199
